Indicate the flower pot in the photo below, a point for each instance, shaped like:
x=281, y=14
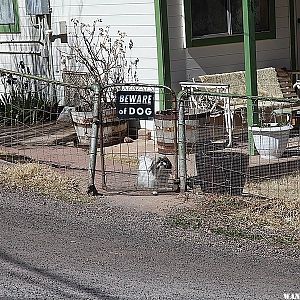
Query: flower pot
x=271, y=141
x=165, y=130
x=114, y=130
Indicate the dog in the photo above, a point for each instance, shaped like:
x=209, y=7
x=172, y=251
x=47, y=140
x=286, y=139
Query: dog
x=154, y=172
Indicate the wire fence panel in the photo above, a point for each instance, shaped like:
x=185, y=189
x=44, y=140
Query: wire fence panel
x=36, y=127
x=219, y=137
x=275, y=170
x=50, y=123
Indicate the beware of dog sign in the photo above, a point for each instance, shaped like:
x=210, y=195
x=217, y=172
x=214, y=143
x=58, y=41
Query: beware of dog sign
x=135, y=105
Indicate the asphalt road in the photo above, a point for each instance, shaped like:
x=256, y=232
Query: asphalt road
x=52, y=250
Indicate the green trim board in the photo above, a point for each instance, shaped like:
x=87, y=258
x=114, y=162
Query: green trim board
x=12, y=28
x=163, y=49
x=228, y=39
x=249, y=48
x=250, y=68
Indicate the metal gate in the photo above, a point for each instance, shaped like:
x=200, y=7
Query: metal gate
x=133, y=139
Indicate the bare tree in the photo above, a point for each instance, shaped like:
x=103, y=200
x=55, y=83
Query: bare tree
x=104, y=57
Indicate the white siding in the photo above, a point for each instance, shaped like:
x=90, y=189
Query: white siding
x=190, y=63
x=135, y=17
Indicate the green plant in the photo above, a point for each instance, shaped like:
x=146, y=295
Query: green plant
x=276, y=117
x=25, y=101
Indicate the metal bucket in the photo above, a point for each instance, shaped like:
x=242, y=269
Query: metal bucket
x=222, y=172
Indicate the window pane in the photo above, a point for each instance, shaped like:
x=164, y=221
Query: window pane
x=208, y=17
x=6, y=12
x=261, y=16
x=236, y=16
x=37, y=7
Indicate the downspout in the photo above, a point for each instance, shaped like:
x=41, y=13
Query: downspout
x=163, y=50
x=250, y=68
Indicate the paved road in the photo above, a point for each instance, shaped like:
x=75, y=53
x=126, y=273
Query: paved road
x=51, y=250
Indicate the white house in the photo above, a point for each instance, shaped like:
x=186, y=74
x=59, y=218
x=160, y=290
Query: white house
x=175, y=40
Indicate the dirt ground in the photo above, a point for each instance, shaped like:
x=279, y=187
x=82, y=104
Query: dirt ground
x=160, y=204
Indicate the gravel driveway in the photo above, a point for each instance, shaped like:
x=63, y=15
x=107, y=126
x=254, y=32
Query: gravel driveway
x=54, y=250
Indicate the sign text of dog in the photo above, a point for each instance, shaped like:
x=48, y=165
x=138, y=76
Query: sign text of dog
x=135, y=105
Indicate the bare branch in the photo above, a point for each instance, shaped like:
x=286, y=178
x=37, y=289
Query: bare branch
x=93, y=47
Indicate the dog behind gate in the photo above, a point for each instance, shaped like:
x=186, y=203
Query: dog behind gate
x=154, y=172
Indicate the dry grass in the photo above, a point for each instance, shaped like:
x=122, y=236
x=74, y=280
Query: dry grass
x=43, y=180
x=286, y=187
x=274, y=216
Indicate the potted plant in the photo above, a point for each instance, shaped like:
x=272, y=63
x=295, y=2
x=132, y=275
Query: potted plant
x=271, y=138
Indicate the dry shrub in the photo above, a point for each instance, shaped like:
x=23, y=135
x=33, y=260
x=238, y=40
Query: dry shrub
x=42, y=180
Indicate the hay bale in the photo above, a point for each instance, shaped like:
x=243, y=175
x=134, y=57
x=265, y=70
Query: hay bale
x=267, y=82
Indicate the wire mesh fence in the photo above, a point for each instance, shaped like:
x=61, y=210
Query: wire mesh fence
x=140, y=136
x=51, y=123
x=35, y=128
x=229, y=152
x=137, y=159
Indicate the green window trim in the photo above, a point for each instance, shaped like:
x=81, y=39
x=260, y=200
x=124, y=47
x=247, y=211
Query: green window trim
x=228, y=39
x=12, y=28
x=163, y=49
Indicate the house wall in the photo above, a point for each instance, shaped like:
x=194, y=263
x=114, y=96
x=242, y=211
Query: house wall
x=135, y=17
x=192, y=62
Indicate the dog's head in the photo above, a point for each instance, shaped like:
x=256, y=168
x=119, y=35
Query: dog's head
x=163, y=162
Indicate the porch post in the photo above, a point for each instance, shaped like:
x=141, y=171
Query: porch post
x=250, y=67
x=163, y=50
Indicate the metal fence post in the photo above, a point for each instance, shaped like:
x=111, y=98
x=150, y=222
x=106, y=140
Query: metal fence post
x=176, y=168
x=94, y=140
x=182, y=144
x=101, y=140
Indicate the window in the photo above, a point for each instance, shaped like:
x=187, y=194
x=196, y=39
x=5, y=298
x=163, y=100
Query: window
x=37, y=7
x=221, y=21
x=9, y=17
